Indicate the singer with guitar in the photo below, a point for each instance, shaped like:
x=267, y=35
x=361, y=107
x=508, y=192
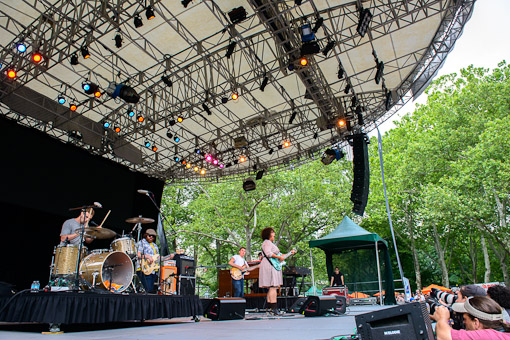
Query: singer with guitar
x=270, y=271
x=148, y=254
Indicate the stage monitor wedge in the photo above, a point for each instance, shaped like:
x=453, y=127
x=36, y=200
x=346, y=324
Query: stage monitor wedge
x=226, y=309
x=319, y=305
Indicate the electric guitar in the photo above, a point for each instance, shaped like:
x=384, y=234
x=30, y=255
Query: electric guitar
x=236, y=273
x=277, y=264
x=147, y=268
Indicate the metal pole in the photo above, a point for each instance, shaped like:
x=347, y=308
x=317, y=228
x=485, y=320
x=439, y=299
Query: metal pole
x=378, y=273
x=313, y=278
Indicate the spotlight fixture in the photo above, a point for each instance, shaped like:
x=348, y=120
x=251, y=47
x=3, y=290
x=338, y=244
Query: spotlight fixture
x=106, y=125
x=264, y=83
x=180, y=119
x=188, y=165
x=341, y=72
x=221, y=166
x=36, y=57
x=298, y=2
x=202, y=172
x=242, y=159
x=215, y=162
x=330, y=155
x=286, y=144
x=235, y=96
x=230, y=49
x=140, y=118
x=208, y=158
x=85, y=52
x=347, y=88
x=183, y=162
x=21, y=47
x=167, y=81
x=149, y=13
x=171, y=122
x=195, y=168
x=73, y=107
x=147, y=144
x=364, y=21
x=177, y=159
x=61, y=99
x=138, y=21
x=224, y=100
x=116, y=129
x=341, y=123
x=379, y=73
x=154, y=148
x=206, y=109
x=91, y=88
x=249, y=184
x=131, y=112
x=237, y=15
x=185, y=3
x=169, y=134
x=270, y=151
x=11, y=74
x=197, y=151
x=388, y=102
x=328, y=47
x=259, y=175
x=176, y=139
x=124, y=92
x=303, y=61
x=74, y=59
x=307, y=33
x=118, y=40
x=318, y=24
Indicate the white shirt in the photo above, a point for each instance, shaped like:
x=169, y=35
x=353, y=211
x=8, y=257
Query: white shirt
x=240, y=261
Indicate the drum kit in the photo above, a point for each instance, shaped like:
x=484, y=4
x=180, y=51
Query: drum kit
x=111, y=269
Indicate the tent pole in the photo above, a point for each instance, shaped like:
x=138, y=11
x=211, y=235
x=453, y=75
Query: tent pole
x=314, y=290
x=378, y=272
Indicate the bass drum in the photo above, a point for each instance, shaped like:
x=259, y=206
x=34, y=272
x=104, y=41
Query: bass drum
x=124, y=244
x=66, y=258
x=107, y=271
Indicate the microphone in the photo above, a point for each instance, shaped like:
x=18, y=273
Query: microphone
x=97, y=205
x=94, y=224
x=143, y=192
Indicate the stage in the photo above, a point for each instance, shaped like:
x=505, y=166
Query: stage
x=255, y=326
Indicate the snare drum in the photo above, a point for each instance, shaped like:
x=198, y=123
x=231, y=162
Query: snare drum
x=108, y=271
x=99, y=251
x=66, y=258
x=124, y=244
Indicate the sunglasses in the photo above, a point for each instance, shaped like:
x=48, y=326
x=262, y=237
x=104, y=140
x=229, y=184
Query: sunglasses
x=151, y=236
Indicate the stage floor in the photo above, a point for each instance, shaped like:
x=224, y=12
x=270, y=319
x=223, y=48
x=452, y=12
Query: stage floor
x=255, y=326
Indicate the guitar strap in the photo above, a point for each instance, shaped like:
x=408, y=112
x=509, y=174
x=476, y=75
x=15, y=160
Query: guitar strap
x=269, y=260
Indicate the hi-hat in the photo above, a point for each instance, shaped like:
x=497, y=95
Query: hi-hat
x=141, y=220
x=99, y=233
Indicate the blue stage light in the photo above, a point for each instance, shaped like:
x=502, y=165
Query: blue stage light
x=21, y=47
x=61, y=100
x=106, y=124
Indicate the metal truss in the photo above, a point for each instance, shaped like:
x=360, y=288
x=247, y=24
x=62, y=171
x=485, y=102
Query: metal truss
x=298, y=105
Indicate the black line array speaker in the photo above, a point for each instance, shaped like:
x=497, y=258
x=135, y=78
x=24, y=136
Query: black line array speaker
x=405, y=322
x=226, y=309
x=361, y=172
x=319, y=305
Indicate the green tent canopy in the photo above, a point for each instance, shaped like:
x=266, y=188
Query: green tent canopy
x=356, y=252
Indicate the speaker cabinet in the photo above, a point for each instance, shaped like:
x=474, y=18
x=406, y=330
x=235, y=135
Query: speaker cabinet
x=341, y=304
x=319, y=305
x=168, y=280
x=361, y=172
x=226, y=309
x=405, y=322
x=296, y=306
x=186, y=285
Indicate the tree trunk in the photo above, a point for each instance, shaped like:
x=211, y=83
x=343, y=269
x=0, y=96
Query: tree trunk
x=486, y=260
x=473, y=257
x=440, y=253
x=218, y=252
x=417, y=270
x=502, y=257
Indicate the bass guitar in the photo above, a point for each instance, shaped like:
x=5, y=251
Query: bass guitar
x=277, y=264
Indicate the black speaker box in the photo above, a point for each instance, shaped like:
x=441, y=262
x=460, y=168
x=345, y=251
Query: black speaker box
x=186, y=285
x=296, y=306
x=185, y=265
x=405, y=322
x=361, y=172
x=226, y=309
x=341, y=304
x=319, y=305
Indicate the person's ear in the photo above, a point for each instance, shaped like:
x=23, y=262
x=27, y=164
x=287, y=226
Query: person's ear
x=477, y=324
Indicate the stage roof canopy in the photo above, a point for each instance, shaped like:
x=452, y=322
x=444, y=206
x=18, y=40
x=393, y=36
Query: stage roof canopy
x=192, y=56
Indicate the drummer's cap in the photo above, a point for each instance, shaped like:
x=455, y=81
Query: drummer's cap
x=151, y=232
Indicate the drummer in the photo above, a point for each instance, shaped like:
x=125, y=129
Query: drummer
x=70, y=233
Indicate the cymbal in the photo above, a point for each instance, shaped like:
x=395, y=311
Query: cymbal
x=99, y=233
x=141, y=220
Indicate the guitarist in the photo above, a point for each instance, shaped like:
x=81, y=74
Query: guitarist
x=147, y=248
x=238, y=261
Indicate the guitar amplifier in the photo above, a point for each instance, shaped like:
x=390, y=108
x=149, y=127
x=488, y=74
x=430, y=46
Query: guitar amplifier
x=170, y=263
x=168, y=280
x=185, y=265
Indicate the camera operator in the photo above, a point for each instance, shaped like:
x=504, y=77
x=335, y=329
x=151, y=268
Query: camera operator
x=469, y=290
x=482, y=317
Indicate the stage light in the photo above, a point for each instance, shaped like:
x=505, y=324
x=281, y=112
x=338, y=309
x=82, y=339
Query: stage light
x=270, y=151
x=340, y=73
x=307, y=33
x=347, y=88
x=85, y=52
x=298, y=2
x=197, y=150
x=259, y=175
x=11, y=74
x=286, y=144
x=208, y=158
x=206, y=109
x=167, y=81
x=364, y=21
x=215, y=162
x=118, y=40
x=91, y=88
x=21, y=47
x=318, y=24
x=131, y=112
x=147, y=144
x=154, y=148
x=97, y=94
x=106, y=125
x=140, y=118
x=264, y=84
x=202, y=172
x=303, y=61
x=341, y=123
x=330, y=155
x=176, y=139
x=74, y=59
x=235, y=96
x=116, y=129
x=171, y=122
x=188, y=165
x=36, y=57
x=185, y=3
x=237, y=15
x=224, y=100
x=177, y=159
x=124, y=92
x=180, y=119
x=242, y=159
x=73, y=107
x=149, y=13
x=138, y=21
x=169, y=134
x=379, y=73
x=183, y=162
x=61, y=99
x=221, y=166
x=85, y=86
x=328, y=47
x=230, y=49
x=249, y=184
x=195, y=168
x=315, y=135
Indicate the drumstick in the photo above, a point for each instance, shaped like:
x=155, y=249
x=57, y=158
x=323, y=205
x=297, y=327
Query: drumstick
x=109, y=211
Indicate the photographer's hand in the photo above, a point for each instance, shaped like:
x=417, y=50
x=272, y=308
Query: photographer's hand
x=442, y=317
